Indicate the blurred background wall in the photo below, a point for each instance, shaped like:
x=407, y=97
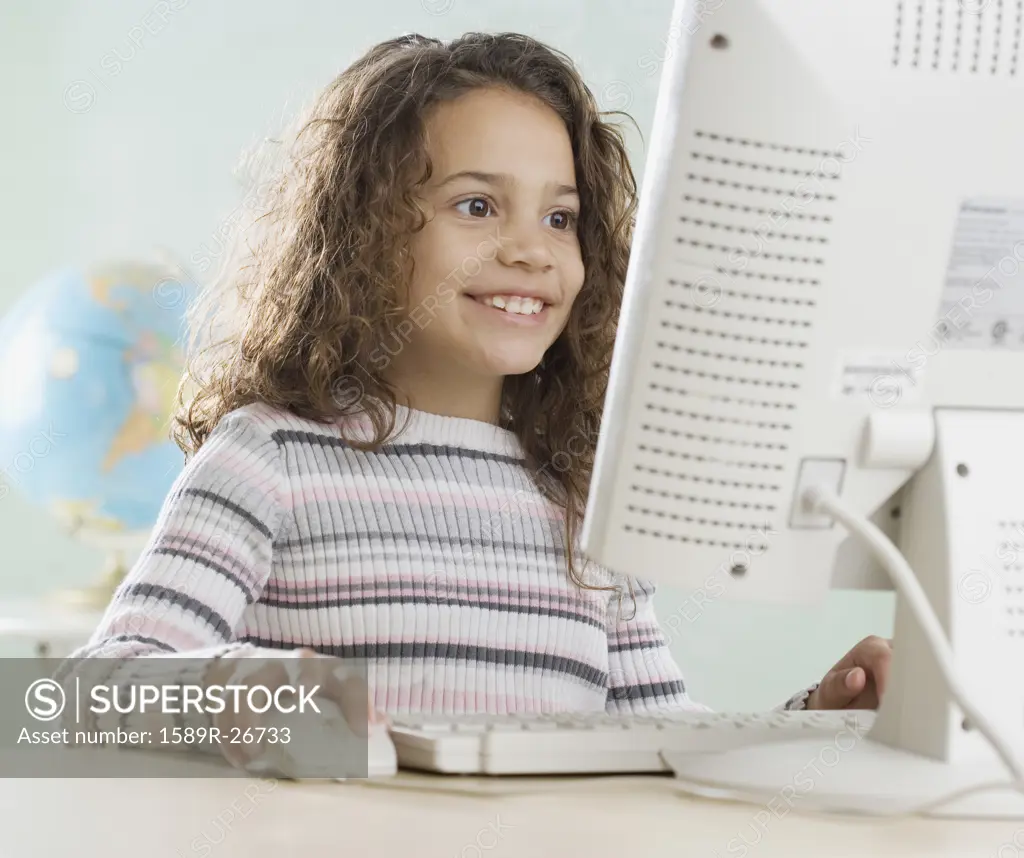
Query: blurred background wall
x=123, y=126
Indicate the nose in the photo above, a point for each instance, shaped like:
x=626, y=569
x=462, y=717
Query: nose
x=524, y=244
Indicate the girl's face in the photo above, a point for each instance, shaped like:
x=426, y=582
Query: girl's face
x=503, y=210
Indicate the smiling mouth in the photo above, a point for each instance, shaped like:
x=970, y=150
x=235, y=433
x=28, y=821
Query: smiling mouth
x=508, y=314
x=512, y=305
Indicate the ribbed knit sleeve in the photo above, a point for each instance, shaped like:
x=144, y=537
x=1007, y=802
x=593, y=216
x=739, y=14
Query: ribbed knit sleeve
x=207, y=559
x=798, y=701
x=642, y=675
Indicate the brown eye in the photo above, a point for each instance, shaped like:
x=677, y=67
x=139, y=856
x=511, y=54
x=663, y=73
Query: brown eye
x=478, y=206
x=566, y=220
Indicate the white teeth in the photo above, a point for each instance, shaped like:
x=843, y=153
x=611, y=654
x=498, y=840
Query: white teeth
x=514, y=304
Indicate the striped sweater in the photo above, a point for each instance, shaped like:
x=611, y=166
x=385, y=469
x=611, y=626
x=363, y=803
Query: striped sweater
x=435, y=559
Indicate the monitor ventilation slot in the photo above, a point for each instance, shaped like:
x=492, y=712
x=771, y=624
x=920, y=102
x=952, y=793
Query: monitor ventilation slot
x=976, y=585
x=967, y=37
x=758, y=212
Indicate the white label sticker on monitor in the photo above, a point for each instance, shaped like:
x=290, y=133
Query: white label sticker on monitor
x=983, y=296
x=882, y=379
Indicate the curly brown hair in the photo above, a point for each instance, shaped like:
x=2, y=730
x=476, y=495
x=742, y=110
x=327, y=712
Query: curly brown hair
x=313, y=284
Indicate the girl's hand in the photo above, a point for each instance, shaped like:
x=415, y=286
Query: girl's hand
x=857, y=681
x=338, y=684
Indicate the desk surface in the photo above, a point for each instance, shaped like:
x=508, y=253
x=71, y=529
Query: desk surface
x=429, y=817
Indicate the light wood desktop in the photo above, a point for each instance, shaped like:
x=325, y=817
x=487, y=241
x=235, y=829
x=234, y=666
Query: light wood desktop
x=446, y=817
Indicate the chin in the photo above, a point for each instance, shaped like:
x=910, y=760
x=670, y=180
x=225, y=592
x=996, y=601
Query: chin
x=513, y=364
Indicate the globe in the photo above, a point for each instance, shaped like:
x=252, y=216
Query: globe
x=90, y=362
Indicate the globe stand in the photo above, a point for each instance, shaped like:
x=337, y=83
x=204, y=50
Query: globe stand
x=100, y=594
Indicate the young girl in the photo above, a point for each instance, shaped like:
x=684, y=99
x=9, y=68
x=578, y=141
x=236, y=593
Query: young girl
x=389, y=452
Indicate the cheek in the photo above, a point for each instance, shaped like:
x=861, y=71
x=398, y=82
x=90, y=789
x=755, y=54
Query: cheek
x=427, y=266
x=574, y=276
x=445, y=257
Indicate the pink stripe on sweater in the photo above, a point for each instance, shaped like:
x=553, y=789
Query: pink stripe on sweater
x=137, y=623
x=420, y=699
x=282, y=588
x=215, y=550
x=531, y=504
x=446, y=602
x=432, y=586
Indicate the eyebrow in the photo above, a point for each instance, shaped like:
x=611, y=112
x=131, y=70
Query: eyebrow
x=504, y=179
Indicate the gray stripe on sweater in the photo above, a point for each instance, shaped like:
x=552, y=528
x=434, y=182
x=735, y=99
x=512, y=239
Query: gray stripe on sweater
x=433, y=540
x=230, y=505
x=454, y=651
x=209, y=564
x=391, y=449
x=165, y=594
x=646, y=691
x=432, y=598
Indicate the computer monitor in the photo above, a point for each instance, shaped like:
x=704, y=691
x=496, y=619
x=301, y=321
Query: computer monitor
x=830, y=230
x=826, y=287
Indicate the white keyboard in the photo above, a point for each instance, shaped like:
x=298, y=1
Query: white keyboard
x=575, y=743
